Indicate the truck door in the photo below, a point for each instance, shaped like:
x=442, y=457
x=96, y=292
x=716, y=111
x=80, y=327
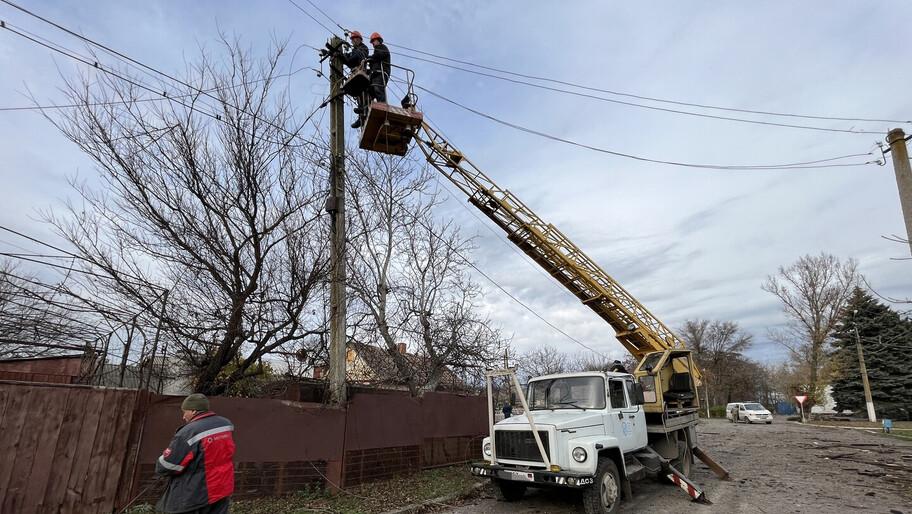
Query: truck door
x=629, y=430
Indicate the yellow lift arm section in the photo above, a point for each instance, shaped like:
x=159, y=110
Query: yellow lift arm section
x=636, y=328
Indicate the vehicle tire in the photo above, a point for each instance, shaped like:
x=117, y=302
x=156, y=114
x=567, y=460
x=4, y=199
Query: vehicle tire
x=604, y=496
x=769, y=422
x=684, y=463
x=509, y=491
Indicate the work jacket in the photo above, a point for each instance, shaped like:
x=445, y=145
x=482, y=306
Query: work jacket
x=357, y=55
x=199, y=463
x=380, y=61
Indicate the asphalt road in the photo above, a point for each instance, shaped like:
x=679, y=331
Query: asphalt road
x=779, y=468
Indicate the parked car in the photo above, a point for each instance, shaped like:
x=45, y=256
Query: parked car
x=749, y=412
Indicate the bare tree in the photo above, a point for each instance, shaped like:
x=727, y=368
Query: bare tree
x=718, y=348
x=813, y=292
x=588, y=361
x=410, y=278
x=213, y=196
x=542, y=360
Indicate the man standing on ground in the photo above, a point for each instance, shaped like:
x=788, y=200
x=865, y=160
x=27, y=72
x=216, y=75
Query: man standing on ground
x=507, y=410
x=198, y=462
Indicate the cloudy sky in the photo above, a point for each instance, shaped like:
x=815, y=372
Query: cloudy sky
x=687, y=242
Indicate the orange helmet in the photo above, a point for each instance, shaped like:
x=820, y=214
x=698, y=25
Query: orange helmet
x=355, y=34
x=376, y=35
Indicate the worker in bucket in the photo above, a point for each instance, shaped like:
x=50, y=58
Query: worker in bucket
x=379, y=67
x=199, y=462
x=354, y=60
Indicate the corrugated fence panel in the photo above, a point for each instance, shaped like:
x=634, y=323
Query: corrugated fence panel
x=57, y=444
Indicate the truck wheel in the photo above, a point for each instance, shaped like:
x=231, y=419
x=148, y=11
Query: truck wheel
x=604, y=496
x=508, y=491
x=684, y=463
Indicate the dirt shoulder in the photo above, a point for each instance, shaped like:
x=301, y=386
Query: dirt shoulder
x=779, y=468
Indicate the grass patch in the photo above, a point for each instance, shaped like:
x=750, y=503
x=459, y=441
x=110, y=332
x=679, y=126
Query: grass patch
x=370, y=498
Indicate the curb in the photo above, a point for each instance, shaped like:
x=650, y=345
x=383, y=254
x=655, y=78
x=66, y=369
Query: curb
x=418, y=507
x=868, y=429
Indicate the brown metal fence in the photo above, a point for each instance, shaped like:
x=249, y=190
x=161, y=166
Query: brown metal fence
x=64, y=448
x=80, y=449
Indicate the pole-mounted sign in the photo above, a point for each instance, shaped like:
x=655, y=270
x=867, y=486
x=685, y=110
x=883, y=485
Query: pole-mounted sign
x=801, y=398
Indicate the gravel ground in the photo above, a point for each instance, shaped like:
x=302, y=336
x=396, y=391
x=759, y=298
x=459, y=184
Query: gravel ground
x=779, y=468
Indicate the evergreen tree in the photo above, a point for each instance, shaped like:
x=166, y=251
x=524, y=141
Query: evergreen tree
x=886, y=339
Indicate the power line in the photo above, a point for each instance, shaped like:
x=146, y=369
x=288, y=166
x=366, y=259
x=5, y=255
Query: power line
x=330, y=18
x=318, y=22
x=138, y=100
x=650, y=98
x=622, y=94
x=650, y=107
x=490, y=279
x=785, y=166
x=498, y=235
x=97, y=65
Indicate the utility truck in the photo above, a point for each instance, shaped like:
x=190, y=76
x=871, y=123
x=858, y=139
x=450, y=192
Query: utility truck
x=594, y=431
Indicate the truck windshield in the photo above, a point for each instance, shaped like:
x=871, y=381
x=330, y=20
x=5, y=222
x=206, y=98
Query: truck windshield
x=753, y=406
x=567, y=393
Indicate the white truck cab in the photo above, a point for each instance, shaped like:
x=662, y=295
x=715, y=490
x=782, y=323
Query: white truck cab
x=573, y=413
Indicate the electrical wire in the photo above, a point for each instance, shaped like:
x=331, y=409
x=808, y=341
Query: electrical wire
x=815, y=164
x=139, y=100
x=433, y=233
x=650, y=98
x=614, y=92
x=650, y=107
x=95, y=64
x=306, y=13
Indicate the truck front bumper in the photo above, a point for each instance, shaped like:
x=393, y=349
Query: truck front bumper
x=533, y=476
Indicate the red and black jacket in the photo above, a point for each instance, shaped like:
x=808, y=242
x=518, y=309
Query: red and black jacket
x=199, y=462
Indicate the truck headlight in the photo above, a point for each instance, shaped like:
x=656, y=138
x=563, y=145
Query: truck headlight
x=579, y=454
x=487, y=449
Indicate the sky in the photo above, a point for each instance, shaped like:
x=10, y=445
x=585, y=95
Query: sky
x=687, y=242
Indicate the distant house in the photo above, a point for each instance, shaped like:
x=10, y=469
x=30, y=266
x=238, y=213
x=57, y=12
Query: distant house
x=58, y=369
x=374, y=366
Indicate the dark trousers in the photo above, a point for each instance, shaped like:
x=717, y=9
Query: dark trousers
x=378, y=86
x=219, y=507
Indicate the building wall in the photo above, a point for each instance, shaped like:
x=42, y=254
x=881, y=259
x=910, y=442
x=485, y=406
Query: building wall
x=65, y=370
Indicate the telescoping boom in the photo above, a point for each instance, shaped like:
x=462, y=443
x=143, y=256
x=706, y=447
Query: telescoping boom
x=636, y=328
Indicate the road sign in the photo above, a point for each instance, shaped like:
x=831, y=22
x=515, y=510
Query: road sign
x=801, y=398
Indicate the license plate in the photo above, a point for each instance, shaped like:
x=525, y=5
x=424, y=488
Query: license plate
x=522, y=475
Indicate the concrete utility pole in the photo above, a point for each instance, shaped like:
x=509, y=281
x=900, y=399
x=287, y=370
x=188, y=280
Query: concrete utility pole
x=869, y=401
x=335, y=205
x=901, y=166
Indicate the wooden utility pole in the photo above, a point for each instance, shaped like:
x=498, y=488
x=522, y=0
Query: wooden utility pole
x=901, y=166
x=869, y=401
x=335, y=204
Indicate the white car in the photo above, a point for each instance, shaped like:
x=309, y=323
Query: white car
x=749, y=412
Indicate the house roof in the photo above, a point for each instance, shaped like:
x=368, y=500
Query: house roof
x=43, y=358
x=384, y=369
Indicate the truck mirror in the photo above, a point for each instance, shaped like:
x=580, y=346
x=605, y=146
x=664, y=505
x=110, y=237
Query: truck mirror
x=638, y=393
